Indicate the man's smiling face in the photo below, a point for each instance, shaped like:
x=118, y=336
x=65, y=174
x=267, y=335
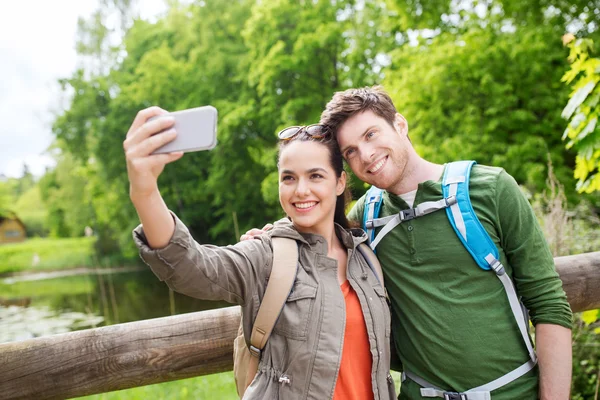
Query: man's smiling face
x=377, y=152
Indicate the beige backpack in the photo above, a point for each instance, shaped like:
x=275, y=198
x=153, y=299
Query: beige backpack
x=285, y=264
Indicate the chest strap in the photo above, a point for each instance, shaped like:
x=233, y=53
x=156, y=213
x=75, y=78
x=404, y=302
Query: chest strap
x=482, y=392
x=392, y=221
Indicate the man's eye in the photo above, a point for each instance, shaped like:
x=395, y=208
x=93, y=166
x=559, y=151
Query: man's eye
x=286, y=178
x=349, y=152
x=370, y=134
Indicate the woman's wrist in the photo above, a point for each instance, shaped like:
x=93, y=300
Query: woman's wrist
x=141, y=197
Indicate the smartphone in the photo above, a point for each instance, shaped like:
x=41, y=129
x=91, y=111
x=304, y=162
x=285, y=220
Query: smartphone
x=196, y=130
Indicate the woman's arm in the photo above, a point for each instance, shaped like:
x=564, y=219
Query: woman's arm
x=231, y=273
x=143, y=170
x=165, y=244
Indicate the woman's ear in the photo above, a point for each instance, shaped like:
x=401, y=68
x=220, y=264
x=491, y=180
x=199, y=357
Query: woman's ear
x=341, y=184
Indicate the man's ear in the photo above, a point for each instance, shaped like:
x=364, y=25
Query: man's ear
x=341, y=184
x=401, y=124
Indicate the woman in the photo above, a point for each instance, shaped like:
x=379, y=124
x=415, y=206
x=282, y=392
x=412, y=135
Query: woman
x=332, y=337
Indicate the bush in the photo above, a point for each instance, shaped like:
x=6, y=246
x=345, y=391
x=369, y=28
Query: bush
x=586, y=356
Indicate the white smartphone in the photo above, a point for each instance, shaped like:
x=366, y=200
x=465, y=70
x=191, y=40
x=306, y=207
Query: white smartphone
x=196, y=130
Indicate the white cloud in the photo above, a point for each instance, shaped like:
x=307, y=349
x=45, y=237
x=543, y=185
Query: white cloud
x=37, y=47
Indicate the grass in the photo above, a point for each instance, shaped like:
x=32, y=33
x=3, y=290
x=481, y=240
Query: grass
x=218, y=386
x=70, y=286
x=52, y=254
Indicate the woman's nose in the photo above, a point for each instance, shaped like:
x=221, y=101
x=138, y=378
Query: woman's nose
x=303, y=188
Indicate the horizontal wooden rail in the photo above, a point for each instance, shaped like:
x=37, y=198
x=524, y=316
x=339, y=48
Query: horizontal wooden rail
x=182, y=346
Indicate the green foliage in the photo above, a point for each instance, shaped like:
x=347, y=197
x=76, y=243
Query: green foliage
x=478, y=96
x=51, y=254
x=586, y=356
x=30, y=209
x=582, y=111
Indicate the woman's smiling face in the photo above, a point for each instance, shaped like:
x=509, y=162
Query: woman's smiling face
x=308, y=186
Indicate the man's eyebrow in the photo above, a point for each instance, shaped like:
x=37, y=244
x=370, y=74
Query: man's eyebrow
x=343, y=150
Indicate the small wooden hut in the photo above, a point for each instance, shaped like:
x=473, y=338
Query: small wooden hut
x=12, y=230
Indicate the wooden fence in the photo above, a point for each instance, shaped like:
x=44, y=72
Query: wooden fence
x=181, y=346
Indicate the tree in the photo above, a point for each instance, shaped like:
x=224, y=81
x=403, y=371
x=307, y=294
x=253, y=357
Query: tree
x=480, y=96
x=582, y=111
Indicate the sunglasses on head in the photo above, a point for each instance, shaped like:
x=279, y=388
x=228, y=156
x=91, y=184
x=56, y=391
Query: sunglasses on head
x=315, y=131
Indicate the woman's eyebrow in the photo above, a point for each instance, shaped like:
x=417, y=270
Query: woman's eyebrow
x=317, y=169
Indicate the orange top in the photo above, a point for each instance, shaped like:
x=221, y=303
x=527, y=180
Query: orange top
x=354, y=378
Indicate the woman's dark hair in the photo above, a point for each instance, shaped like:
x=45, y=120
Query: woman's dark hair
x=337, y=163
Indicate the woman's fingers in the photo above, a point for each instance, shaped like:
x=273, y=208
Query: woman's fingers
x=151, y=144
x=267, y=227
x=255, y=232
x=148, y=131
x=142, y=117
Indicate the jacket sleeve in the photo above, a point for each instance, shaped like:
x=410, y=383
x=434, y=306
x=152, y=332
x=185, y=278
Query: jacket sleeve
x=208, y=272
x=529, y=256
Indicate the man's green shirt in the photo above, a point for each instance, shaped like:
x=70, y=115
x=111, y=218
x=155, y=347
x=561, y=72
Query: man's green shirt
x=452, y=321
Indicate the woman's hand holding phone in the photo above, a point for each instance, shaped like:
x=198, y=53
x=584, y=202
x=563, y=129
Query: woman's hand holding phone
x=143, y=167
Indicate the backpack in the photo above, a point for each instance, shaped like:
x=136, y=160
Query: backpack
x=283, y=272
x=474, y=237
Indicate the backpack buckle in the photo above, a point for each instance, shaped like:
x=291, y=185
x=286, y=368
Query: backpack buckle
x=255, y=351
x=450, y=201
x=369, y=224
x=406, y=215
x=455, y=396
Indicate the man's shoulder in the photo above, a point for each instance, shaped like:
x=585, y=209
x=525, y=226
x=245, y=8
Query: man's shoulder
x=487, y=179
x=481, y=171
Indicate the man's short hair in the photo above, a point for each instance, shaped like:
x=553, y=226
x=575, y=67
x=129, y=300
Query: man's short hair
x=350, y=102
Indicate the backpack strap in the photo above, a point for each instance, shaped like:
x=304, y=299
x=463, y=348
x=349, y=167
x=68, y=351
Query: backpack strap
x=279, y=286
x=373, y=263
x=373, y=200
x=478, y=243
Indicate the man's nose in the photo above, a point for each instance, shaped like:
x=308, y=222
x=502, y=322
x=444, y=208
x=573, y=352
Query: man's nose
x=367, y=153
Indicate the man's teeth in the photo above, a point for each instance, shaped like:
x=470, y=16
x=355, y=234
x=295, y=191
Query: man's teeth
x=306, y=205
x=377, y=166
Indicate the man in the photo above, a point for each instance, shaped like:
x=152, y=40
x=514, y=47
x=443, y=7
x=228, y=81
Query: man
x=452, y=324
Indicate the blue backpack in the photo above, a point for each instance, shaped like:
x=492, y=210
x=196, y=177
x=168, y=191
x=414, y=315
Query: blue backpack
x=457, y=203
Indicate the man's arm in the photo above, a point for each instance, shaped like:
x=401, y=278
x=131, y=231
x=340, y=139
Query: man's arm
x=539, y=285
x=553, y=346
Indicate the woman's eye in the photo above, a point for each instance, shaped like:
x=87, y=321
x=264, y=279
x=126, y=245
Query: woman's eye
x=286, y=178
x=316, y=176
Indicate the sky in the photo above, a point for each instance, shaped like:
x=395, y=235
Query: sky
x=37, y=47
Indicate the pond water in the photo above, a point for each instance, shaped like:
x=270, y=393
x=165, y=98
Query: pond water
x=33, y=308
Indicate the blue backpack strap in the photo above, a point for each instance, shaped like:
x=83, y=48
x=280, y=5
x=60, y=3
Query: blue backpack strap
x=478, y=243
x=462, y=216
x=373, y=200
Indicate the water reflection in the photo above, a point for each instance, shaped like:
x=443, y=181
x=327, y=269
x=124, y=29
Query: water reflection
x=49, y=306
x=20, y=323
